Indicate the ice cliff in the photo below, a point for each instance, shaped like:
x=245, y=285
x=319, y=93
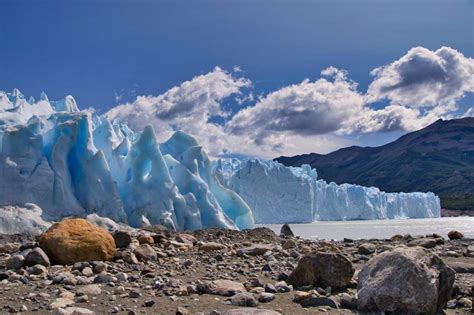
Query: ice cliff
x=72, y=163
x=280, y=194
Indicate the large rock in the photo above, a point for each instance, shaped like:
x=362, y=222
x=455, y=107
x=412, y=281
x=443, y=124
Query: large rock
x=455, y=235
x=145, y=252
x=37, y=257
x=75, y=240
x=286, y=230
x=405, y=280
x=226, y=287
x=322, y=269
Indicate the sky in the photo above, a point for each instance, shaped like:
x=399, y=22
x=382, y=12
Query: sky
x=254, y=78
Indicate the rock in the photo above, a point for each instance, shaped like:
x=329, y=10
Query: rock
x=347, y=301
x=122, y=239
x=226, y=287
x=37, y=270
x=322, y=269
x=37, y=257
x=146, y=239
x=288, y=244
x=15, y=262
x=73, y=311
x=282, y=287
x=104, y=278
x=455, y=235
x=315, y=301
x=90, y=289
x=149, y=303
x=186, y=238
x=405, y=280
x=366, y=249
x=266, y=297
x=9, y=248
x=182, y=311
x=74, y=240
x=423, y=242
x=470, y=251
x=257, y=249
x=212, y=246
x=61, y=302
x=250, y=311
x=286, y=230
x=243, y=299
x=461, y=267
x=100, y=267
x=465, y=302
x=129, y=257
x=145, y=252
x=87, y=271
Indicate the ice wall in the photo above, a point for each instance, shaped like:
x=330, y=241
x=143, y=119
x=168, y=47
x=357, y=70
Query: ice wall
x=71, y=163
x=280, y=194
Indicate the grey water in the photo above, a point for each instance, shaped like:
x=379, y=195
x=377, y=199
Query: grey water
x=367, y=229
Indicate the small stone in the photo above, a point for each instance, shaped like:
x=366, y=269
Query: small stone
x=37, y=270
x=134, y=294
x=100, y=267
x=129, y=258
x=149, y=303
x=182, y=311
x=121, y=277
x=122, y=239
x=282, y=287
x=15, y=262
x=266, y=297
x=366, y=249
x=270, y=288
x=211, y=246
x=87, y=271
x=455, y=235
x=286, y=230
x=244, y=299
x=37, y=257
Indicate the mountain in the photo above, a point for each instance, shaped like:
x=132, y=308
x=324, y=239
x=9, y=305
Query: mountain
x=438, y=158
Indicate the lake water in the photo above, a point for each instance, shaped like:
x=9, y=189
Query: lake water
x=338, y=230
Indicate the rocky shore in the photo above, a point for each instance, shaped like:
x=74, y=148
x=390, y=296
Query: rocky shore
x=78, y=268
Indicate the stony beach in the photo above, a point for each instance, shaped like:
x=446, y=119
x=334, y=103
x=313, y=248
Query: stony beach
x=217, y=271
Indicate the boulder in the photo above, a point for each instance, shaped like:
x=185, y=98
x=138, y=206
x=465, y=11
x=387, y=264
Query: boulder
x=122, y=239
x=286, y=230
x=75, y=240
x=15, y=262
x=405, y=280
x=455, y=235
x=322, y=269
x=145, y=252
x=37, y=256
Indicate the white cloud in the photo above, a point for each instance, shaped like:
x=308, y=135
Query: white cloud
x=312, y=116
x=424, y=78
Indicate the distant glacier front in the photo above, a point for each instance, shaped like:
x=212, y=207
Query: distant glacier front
x=280, y=194
x=74, y=163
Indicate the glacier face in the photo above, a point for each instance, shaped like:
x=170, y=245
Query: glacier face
x=280, y=194
x=71, y=163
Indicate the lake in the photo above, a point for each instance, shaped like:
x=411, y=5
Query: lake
x=366, y=229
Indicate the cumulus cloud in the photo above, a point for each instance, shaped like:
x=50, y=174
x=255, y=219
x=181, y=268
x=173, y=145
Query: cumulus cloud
x=424, y=78
x=313, y=115
x=307, y=108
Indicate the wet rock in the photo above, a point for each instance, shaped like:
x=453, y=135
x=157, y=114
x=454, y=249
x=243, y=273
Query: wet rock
x=226, y=287
x=75, y=240
x=426, y=281
x=244, y=299
x=37, y=257
x=322, y=269
x=145, y=252
x=15, y=262
x=366, y=249
x=455, y=235
x=286, y=230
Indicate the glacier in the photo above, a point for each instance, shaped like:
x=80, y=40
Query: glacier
x=73, y=163
x=279, y=194
x=57, y=161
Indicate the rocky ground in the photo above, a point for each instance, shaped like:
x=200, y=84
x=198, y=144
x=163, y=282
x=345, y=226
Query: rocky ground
x=220, y=271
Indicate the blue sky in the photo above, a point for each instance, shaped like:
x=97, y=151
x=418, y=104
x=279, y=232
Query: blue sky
x=98, y=50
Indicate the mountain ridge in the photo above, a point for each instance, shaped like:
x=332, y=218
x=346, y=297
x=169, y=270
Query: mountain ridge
x=437, y=158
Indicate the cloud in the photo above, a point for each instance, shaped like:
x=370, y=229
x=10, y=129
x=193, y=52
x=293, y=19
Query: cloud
x=424, y=78
x=311, y=116
x=307, y=108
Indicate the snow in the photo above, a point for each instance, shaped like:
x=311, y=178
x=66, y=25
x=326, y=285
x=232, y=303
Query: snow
x=280, y=194
x=71, y=163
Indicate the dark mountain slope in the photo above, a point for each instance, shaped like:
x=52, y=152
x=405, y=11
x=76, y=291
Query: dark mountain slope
x=438, y=158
